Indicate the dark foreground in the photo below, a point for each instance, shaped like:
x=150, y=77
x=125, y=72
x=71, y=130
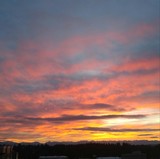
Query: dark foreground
x=88, y=150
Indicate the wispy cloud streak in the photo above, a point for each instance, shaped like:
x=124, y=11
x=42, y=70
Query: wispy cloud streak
x=117, y=130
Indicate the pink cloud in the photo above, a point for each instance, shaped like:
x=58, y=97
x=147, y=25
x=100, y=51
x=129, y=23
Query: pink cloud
x=137, y=64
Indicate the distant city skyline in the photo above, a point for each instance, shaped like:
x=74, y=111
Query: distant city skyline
x=73, y=70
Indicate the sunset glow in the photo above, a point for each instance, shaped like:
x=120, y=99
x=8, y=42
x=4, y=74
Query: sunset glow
x=74, y=70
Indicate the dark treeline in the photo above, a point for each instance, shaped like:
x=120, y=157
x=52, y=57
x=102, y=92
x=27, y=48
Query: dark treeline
x=85, y=150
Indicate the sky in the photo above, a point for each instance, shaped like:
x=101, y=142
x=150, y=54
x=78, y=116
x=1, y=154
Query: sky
x=73, y=70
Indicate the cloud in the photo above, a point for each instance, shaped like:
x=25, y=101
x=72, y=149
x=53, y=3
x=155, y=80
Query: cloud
x=142, y=65
x=104, y=106
x=24, y=106
x=115, y=130
x=145, y=134
x=67, y=118
x=21, y=135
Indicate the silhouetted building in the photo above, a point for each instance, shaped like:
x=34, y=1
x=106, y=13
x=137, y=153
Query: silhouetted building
x=53, y=157
x=6, y=152
x=134, y=155
x=108, y=158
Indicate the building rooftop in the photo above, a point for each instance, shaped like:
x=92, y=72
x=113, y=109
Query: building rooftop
x=53, y=157
x=108, y=158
